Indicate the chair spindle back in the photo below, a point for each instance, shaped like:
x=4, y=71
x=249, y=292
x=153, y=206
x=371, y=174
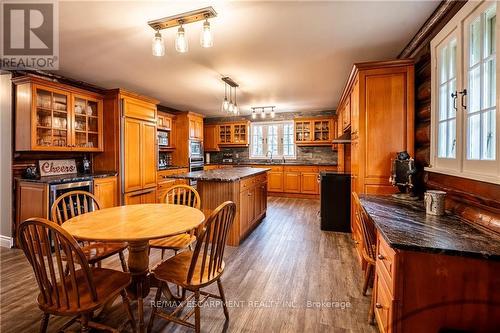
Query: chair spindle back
x=212, y=242
x=57, y=289
x=182, y=195
x=72, y=204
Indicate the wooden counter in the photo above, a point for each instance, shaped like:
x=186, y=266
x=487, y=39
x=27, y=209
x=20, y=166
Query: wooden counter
x=246, y=187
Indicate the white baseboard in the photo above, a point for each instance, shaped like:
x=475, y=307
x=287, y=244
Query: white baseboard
x=6, y=241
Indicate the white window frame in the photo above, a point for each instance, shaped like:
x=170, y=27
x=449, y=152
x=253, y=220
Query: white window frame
x=265, y=144
x=482, y=170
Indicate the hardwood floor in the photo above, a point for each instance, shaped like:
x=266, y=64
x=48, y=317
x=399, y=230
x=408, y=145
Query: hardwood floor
x=270, y=281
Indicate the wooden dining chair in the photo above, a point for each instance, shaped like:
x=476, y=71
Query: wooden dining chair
x=193, y=270
x=368, y=250
x=76, y=294
x=75, y=203
x=178, y=195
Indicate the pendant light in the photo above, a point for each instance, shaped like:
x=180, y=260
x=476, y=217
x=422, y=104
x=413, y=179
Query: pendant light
x=158, y=45
x=181, y=42
x=263, y=113
x=235, y=106
x=272, y=112
x=254, y=114
x=231, y=105
x=225, y=103
x=206, y=37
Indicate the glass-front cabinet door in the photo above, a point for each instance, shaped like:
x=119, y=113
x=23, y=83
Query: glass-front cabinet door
x=52, y=130
x=87, y=122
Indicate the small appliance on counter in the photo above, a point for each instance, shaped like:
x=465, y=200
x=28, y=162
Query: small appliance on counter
x=227, y=158
x=335, y=200
x=402, y=171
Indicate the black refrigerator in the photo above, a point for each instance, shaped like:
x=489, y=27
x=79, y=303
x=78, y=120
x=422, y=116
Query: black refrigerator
x=335, y=197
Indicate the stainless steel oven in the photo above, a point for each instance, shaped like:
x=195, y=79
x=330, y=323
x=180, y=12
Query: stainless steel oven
x=195, y=149
x=196, y=160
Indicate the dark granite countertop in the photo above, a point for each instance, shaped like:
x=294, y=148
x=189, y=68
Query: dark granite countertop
x=222, y=175
x=172, y=167
x=74, y=177
x=288, y=162
x=406, y=226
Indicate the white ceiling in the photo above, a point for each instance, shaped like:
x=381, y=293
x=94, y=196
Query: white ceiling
x=295, y=55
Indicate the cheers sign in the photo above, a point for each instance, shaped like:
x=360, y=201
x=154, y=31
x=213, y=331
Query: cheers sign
x=56, y=167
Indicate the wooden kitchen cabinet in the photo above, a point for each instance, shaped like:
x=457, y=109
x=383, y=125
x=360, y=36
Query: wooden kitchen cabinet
x=313, y=131
x=106, y=191
x=165, y=182
x=139, y=165
x=195, y=127
x=309, y=182
x=188, y=126
x=211, y=137
x=291, y=181
x=140, y=197
x=381, y=121
x=275, y=181
x=234, y=134
x=32, y=200
x=55, y=117
x=164, y=122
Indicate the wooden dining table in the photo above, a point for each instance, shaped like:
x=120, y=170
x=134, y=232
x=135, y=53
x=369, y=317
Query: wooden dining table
x=136, y=225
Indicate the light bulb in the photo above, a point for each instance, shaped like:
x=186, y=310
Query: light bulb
x=272, y=113
x=206, y=38
x=225, y=104
x=158, y=45
x=254, y=115
x=235, y=108
x=181, y=43
x=231, y=107
x=263, y=114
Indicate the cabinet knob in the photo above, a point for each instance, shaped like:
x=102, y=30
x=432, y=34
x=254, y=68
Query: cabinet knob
x=381, y=257
x=378, y=305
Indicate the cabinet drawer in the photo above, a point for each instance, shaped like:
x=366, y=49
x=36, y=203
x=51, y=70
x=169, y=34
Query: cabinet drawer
x=383, y=305
x=247, y=183
x=385, y=262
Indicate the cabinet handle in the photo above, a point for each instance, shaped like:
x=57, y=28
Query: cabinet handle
x=381, y=257
x=249, y=194
x=378, y=306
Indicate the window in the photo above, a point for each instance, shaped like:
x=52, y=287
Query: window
x=464, y=140
x=274, y=138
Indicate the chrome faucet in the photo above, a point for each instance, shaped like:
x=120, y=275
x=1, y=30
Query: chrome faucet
x=270, y=160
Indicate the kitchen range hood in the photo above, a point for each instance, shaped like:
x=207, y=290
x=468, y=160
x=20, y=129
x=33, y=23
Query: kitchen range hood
x=344, y=138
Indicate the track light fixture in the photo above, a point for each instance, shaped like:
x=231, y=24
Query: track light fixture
x=262, y=111
x=181, y=40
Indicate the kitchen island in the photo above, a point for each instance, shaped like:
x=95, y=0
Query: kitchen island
x=245, y=186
